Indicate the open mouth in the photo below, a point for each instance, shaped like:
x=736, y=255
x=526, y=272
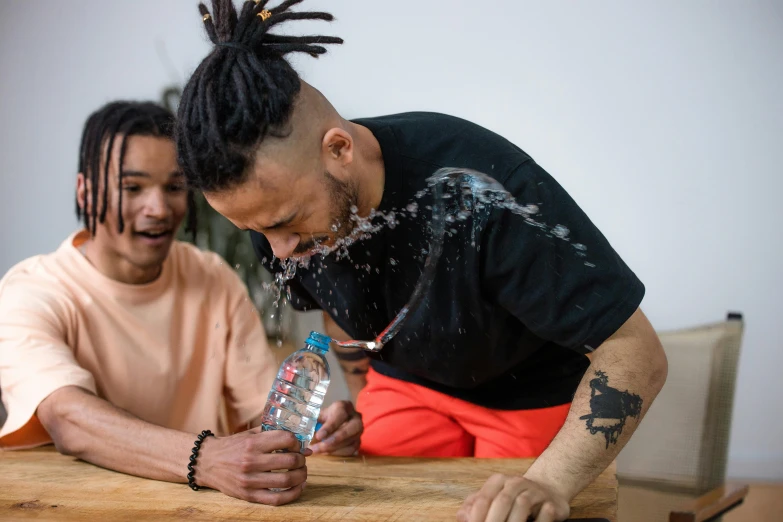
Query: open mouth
x=154, y=235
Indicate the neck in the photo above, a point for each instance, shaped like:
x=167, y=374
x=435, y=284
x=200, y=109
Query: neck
x=116, y=267
x=368, y=168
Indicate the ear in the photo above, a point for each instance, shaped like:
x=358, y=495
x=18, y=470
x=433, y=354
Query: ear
x=337, y=147
x=82, y=191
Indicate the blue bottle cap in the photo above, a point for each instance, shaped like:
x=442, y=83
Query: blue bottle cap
x=319, y=340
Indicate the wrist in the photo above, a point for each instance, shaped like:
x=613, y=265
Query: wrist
x=205, y=462
x=562, y=486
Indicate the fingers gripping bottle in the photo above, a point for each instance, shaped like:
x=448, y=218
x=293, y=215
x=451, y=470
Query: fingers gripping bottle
x=298, y=392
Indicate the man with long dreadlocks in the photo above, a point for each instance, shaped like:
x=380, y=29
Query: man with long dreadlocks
x=124, y=344
x=516, y=323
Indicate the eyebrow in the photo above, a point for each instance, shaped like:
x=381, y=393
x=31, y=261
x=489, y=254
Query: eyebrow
x=140, y=174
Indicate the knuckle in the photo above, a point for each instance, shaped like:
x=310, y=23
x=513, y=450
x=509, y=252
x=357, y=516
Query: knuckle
x=515, y=481
x=289, y=461
x=249, y=445
x=246, y=463
x=243, y=483
x=481, y=503
x=290, y=480
x=522, y=500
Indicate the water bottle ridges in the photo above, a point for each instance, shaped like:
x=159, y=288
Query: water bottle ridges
x=299, y=390
x=294, y=413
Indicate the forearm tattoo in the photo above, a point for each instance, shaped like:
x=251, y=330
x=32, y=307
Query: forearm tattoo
x=609, y=408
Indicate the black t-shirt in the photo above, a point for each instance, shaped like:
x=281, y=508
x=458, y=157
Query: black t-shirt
x=506, y=323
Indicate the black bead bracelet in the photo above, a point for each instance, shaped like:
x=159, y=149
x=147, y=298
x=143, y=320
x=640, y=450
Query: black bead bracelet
x=191, y=482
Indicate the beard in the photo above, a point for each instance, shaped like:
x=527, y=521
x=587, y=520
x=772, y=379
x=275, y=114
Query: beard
x=342, y=196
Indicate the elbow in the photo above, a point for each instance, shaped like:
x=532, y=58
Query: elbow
x=67, y=444
x=61, y=420
x=659, y=366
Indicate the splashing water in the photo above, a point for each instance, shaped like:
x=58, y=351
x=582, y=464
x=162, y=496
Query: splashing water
x=286, y=274
x=458, y=194
x=475, y=192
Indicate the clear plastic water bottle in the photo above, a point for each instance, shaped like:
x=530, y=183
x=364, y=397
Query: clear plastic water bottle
x=298, y=392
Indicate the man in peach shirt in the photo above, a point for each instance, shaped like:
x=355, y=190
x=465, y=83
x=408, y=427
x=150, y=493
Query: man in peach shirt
x=124, y=344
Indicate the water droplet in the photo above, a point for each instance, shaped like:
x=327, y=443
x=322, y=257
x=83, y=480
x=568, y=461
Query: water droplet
x=392, y=261
x=561, y=231
x=334, y=310
x=354, y=209
x=591, y=265
x=237, y=266
x=279, y=343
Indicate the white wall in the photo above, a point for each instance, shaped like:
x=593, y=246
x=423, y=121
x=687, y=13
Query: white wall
x=660, y=120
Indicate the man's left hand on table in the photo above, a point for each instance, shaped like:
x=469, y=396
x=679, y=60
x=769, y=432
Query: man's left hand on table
x=341, y=430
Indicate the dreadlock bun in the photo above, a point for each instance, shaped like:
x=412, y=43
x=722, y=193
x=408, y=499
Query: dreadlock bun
x=242, y=91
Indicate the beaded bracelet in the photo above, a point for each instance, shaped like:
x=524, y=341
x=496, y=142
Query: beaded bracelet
x=191, y=482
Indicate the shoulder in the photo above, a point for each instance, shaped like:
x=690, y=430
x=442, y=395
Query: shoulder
x=440, y=140
x=206, y=269
x=425, y=121
x=36, y=284
x=421, y=122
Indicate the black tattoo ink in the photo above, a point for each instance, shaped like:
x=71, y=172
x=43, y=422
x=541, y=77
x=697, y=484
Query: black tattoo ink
x=611, y=404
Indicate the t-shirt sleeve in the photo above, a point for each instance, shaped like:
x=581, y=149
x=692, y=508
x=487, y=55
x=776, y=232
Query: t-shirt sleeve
x=35, y=358
x=300, y=298
x=576, y=291
x=250, y=364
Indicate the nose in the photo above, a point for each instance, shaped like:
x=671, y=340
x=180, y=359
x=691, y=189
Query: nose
x=157, y=205
x=283, y=244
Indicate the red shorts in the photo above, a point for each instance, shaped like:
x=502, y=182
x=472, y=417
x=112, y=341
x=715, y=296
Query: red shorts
x=403, y=419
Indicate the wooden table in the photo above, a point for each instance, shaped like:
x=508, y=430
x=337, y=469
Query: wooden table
x=44, y=485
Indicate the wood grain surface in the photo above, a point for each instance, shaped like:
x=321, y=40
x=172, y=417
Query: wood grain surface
x=41, y=484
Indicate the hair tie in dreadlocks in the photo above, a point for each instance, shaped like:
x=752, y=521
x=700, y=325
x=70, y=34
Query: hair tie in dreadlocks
x=234, y=45
x=234, y=100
